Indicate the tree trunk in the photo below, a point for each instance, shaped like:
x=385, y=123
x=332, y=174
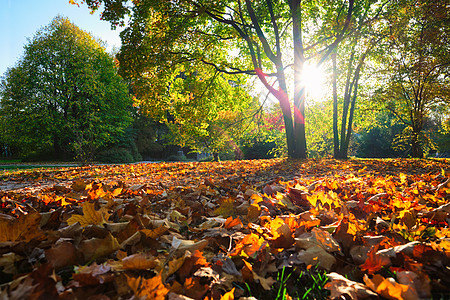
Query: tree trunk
x=299, y=88
x=216, y=156
x=416, y=149
x=57, y=149
x=335, y=108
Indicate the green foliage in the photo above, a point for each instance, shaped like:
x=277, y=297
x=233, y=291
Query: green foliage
x=293, y=283
x=149, y=136
x=443, y=136
x=116, y=155
x=319, y=129
x=205, y=111
x=263, y=38
x=64, y=95
x=259, y=149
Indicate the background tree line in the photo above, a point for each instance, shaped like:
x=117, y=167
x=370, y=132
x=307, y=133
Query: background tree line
x=204, y=76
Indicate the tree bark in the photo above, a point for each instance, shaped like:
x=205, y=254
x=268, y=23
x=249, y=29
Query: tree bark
x=299, y=88
x=335, y=107
x=416, y=149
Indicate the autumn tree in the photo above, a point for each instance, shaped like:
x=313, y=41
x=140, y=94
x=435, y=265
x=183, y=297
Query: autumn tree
x=204, y=109
x=270, y=39
x=417, y=63
x=348, y=62
x=64, y=93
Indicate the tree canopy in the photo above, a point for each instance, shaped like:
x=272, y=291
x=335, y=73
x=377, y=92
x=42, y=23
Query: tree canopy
x=270, y=39
x=275, y=40
x=416, y=77
x=64, y=95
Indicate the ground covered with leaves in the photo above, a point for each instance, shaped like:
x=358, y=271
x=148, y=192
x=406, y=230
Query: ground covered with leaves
x=267, y=229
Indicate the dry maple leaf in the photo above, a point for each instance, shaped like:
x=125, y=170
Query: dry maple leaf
x=374, y=261
x=24, y=228
x=342, y=288
x=266, y=283
x=90, y=216
x=230, y=222
x=152, y=288
x=138, y=261
x=95, y=248
x=249, y=245
x=61, y=254
x=182, y=245
x=390, y=289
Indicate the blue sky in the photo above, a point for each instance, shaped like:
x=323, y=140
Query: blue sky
x=20, y=19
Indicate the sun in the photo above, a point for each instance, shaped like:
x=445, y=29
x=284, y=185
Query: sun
x=314, y=79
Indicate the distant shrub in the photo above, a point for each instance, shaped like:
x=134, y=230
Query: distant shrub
x=176, y=158
x=116, y=155
x=259, y=150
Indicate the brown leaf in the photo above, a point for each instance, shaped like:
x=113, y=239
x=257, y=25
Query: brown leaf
x=21, y=288
x=25, y=228
x=343, y=288
x=230, y=223
x=92, y=275
x=375, y=261
x=61, y=254
x=316, y=255
x=266, y=283
x=7, y=262
x=138, y=261
x=95, y=248
x=182, y=245
x=155, y=233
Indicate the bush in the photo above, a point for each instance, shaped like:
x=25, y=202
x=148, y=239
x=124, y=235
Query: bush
x=259, y=150
x=116, y=155
x=176, y=158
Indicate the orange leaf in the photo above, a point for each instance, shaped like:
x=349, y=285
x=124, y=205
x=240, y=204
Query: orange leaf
x=374, y=261
x=249, y=245
x=152, y=288
x=389, y=288
x=139, y=261
x=230, y=222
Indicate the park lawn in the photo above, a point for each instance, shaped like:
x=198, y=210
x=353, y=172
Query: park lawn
x=271, y=229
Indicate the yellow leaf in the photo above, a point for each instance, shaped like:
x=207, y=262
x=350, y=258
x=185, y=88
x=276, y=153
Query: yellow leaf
x=228, y=296
x=90, y=216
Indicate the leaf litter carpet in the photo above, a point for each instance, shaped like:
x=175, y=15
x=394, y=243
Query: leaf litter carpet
x=264, y=229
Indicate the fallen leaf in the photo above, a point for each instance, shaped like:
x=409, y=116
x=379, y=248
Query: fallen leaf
x=94, y=248
x=152, y=288
x=24, y=228
x=228, y=296
x=266, y=283
x=375, y=261
x=90, y=216
x=343, y=288
x=62, y=254
x=182, y=245
x=389, y=288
